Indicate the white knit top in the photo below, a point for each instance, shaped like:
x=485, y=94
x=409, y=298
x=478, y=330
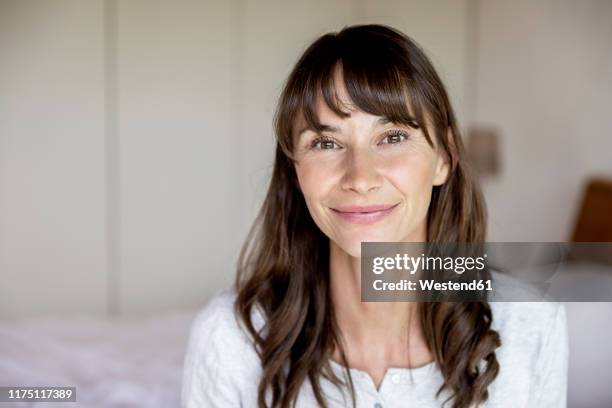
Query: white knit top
x=222, y=369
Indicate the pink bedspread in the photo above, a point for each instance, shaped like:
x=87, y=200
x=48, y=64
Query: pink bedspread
x=113, y=363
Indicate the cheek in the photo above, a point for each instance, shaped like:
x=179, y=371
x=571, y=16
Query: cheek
x=412, y=175
x=314, y=182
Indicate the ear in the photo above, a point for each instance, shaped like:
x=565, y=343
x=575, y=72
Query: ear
x=443, y=164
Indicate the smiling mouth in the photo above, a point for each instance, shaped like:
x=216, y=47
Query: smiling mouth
x=363, y=214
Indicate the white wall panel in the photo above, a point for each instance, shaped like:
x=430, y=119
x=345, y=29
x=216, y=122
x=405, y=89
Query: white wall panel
x=52, y=152
x=177, y=153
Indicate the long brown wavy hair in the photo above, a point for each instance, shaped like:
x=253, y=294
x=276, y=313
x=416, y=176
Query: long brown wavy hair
x=284, y=264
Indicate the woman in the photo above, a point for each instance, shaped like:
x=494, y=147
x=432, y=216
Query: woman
x=368, y=150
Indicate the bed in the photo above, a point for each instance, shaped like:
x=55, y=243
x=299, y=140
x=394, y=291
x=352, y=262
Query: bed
x=113, y=363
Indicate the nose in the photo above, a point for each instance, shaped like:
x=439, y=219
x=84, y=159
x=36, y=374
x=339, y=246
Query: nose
x=361, y=174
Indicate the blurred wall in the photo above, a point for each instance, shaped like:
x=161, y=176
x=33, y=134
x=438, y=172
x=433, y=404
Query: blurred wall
x=544, y=79
x=53, y=229
x=136, y=139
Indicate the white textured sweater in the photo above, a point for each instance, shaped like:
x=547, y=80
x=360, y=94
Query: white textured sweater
x=222, y=369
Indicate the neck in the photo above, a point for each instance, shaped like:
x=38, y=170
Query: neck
x=385, y=326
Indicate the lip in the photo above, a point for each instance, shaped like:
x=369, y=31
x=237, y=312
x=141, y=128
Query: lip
x=364, y=214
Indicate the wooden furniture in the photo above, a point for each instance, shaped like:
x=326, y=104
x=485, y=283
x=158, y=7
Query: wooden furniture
x=594, y=222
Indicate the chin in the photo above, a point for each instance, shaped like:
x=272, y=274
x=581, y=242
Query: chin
x=352, y=246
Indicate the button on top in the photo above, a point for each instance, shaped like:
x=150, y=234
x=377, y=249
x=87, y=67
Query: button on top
x=396, y=378
x=378, y=405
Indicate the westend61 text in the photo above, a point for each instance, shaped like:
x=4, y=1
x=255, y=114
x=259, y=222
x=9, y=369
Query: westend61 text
x=429, y=285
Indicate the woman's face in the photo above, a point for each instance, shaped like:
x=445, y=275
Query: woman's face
x=365, y=179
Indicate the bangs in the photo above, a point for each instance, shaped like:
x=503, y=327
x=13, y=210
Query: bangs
x=378, y=79
x=384, y=73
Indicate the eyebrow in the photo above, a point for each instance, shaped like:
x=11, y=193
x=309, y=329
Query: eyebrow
x=332, y=129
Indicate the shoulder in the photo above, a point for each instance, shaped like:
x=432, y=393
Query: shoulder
x=221, y=365
x=529, y=323
x=514, y=318
x=216, y=316
x=217, y=328
x=529, y=328
x=533, y=356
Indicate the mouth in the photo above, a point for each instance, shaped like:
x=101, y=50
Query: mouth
x=363, y=214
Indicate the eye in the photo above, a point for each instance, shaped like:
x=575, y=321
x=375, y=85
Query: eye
x=324, y=143
x=394, y=137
